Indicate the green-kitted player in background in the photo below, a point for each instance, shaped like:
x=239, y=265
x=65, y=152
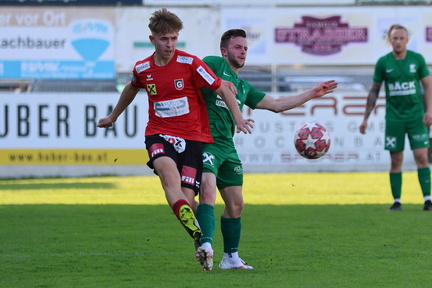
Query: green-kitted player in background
x=402, y=71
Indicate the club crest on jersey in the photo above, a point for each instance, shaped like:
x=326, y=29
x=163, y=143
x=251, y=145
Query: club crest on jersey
x=179, y=84
x=151, y=89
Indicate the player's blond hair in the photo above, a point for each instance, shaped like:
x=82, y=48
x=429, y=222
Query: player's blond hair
x=163, y=22
x=395, y=27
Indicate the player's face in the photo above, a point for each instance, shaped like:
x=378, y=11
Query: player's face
x=398, y=40
x=236, y=52
x=165, y=44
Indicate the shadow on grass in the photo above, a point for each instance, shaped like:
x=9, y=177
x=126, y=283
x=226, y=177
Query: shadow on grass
x=43, y=186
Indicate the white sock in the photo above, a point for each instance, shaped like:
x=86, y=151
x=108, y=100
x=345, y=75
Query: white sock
x=427, y=197
x=397, y=200
x=231, y=257
x=207, y=245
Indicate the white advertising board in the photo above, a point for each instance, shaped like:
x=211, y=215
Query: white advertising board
x=60, y=130
x=326, y=35
x=49, y=129
x=57, y=43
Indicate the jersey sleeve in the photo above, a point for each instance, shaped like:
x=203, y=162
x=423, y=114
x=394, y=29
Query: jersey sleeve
x=134, y=81
x=423, y=69
x=205, y=77
x=254, y=96
x=378, y=76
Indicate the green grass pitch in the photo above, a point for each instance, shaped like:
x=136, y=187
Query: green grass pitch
x=299, y=230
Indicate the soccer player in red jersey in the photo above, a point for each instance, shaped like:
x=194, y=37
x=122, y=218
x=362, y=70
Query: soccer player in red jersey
x=178, y=122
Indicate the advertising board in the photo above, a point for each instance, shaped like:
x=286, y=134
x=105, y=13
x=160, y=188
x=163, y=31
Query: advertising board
x=57, y=43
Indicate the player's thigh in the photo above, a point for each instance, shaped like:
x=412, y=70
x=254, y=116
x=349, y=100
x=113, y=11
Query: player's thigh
x=158, y=147
x=230, y=172
x=213, y=156
x=190, y=166
x=394, y=138
x=166, y=169
x=417, y=134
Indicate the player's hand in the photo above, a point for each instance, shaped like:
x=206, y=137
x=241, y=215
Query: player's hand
x=427, y=119
x=363, y=126
x=230, y=86
x=105, y=122
x=245, y=126
x=324, y=88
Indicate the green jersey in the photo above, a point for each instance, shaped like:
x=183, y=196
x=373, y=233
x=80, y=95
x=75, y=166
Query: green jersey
x=222, y=124
x=404, y=99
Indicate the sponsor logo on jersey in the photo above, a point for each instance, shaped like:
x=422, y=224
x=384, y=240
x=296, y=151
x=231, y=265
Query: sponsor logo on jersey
x=221, y=103
x=209, y=78
x=142, y=67
x=412, y=68
x=171, y=108
x=401, y=89
x=179, y=84
x=151, y=89
x=188, y=175
x=185, y=59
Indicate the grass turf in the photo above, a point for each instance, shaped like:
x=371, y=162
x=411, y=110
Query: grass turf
x=299, y=230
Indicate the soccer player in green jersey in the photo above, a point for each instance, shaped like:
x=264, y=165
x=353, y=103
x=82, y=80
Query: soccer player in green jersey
x=402, y=71
x=222, y=166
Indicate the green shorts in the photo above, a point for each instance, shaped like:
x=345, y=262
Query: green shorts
x=395, y=131
x=221, y=159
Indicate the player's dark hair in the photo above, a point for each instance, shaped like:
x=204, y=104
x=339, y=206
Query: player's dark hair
x=162, y=22
x=231, y=34
x=395, y=27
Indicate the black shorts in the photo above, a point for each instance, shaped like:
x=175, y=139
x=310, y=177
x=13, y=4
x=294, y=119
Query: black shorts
x=186, y=154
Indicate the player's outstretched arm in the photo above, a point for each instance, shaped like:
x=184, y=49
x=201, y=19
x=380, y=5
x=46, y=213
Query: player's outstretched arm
x=126, y=97
x=226, y=92
x=289, y=102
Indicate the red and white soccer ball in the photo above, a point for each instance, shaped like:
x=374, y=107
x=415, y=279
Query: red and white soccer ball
x=312, y=140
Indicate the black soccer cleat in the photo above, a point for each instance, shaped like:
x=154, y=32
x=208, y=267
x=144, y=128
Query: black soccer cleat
x=395, y=207
x=427, y=205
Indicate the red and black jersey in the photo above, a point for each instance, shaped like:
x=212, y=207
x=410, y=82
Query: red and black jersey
x=176, y=106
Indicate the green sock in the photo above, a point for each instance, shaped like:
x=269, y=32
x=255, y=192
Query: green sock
x=231, y=230
x=206, y=220
x=396, y=184
x=424, y=178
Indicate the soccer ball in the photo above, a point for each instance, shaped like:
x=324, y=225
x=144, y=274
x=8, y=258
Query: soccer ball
x=312, y=140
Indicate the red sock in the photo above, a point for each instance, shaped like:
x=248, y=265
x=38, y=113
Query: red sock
x=177, y=205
